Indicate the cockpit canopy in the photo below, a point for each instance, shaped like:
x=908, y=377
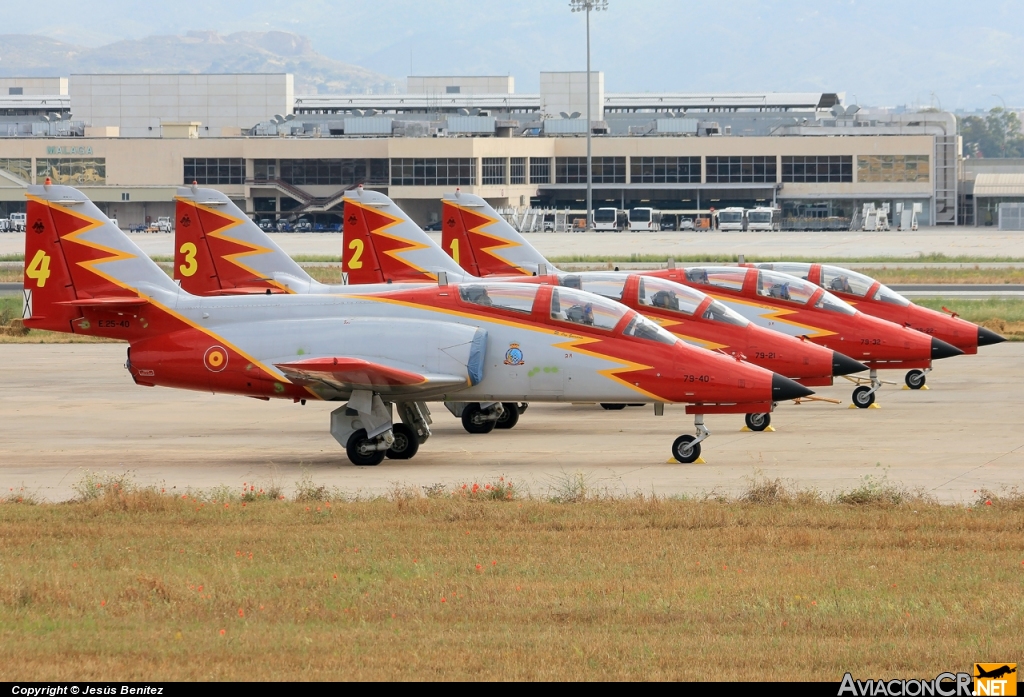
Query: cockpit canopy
x=568, y=305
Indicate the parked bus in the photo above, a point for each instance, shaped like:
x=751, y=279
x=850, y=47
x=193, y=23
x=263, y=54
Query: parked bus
x=607, y=220
x=762, y=220
x=732, y=219
x=644, y=220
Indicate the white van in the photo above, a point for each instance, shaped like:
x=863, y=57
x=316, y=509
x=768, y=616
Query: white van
x=761, y=220
x=17, y=222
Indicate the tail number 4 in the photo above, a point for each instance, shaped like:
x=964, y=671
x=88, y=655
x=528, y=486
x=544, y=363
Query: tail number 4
x=39, y=268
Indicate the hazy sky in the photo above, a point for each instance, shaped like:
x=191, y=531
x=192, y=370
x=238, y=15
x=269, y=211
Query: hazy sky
x=885, y=52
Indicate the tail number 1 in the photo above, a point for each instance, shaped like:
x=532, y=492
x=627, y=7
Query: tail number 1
x=455, y=250
x=39, y=268
x=191, y=265
x=355, y=262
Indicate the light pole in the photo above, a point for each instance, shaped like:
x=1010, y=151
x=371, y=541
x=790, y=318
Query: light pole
x=587, y=6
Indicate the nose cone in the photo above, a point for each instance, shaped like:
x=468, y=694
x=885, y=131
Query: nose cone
x=987, y=337
x=844, y=365
x=940, y=349
x=783, y=389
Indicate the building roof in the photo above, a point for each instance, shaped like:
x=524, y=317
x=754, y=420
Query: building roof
x=989, y=184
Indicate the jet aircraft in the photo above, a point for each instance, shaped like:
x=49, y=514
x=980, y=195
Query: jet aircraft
x=377, y=348
x=770, y=299
x=381, y=243
x=875, y=299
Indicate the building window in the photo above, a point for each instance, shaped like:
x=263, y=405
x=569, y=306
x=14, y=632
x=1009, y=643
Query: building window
x=540, y=170
x=606, y=170
x=73, y=170
x=517, y=170
x=493, y=171
x=15, y=90
x=264, y=170
x=341, y=172
x=892, y=168
x=214, y=170
x=824, y=169
x=20, y=167
x=741, y=170
x=433, y=171
x=665, y=170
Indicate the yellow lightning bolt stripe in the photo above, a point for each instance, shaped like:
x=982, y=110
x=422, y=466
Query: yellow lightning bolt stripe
x=119, y=255
x=670, y=325
x=234, y=258
x=410, y=245
x=776, y=313
x=502, y=243
x=625, y=366
x=91, y=224
x=573, y=344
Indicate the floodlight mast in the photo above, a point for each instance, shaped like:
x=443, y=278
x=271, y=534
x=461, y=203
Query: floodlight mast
x=587, y=6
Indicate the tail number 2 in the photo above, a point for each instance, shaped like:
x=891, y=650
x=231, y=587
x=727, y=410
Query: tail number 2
x=39, y=268
x=191, y=265
x=356, y=261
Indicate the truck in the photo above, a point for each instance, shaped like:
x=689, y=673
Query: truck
x=17, y=223
x=762, y=220
x=732, y=219
x=164, y=224
x=608, y=220
x=644, y=220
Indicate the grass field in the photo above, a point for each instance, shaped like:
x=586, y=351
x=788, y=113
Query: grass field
x=149, y=586
x=1004, y=316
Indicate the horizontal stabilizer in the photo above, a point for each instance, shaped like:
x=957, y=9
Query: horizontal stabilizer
x=346, y=374
x=110, y=302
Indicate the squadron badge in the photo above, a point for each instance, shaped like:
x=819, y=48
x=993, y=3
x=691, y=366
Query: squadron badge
x=514, y=355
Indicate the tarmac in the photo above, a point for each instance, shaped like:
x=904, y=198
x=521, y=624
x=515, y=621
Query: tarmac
x=961, y=241
x=66, y=408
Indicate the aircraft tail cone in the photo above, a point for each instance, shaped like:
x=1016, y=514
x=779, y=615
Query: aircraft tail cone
x=987, y=337
x=784, y=389
x=844, y=365
x=940, y=349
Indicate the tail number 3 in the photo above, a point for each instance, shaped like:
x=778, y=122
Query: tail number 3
x=191, y=265
x=357, y=247
x=39, y=268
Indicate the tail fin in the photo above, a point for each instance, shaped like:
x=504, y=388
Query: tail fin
x=218, y=249
x=74, y=254
x=382, y=244
x=482, y=242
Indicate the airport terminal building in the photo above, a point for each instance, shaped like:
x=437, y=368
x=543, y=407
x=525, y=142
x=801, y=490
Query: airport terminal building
x=128, y=140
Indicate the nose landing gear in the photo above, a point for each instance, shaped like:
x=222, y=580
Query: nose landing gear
x=864, y=395
x=916, y=379
x=686, y=448
x=758, y=422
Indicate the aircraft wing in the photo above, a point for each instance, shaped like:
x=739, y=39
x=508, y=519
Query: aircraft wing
x=346, y=374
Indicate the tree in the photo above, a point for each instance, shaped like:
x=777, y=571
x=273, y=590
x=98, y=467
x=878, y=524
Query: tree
x=996, y=135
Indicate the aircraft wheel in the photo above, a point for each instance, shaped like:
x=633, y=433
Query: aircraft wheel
x=405, y=445
x=370, y=459
x=915, y=379
x=758, y=422
x=685, y=450
x=613, y=407
x=471, y=419
x=863, y=397
x=509, y=418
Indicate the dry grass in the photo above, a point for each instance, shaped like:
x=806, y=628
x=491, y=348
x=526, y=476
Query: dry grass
x=149, y=585
x=325, y=274
x=893, y=276
x=1004, y=316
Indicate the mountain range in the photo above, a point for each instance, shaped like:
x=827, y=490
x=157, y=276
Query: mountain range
x=194, y=52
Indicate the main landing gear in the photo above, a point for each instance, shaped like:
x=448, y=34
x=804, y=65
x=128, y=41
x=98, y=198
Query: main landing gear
x=915, y=379
x=365, y=428
x=686, y=448
x=484, y=417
